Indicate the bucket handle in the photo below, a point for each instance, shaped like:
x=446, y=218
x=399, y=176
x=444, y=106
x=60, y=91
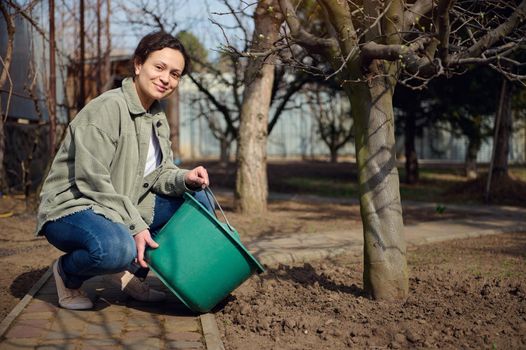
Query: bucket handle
x=208, y=190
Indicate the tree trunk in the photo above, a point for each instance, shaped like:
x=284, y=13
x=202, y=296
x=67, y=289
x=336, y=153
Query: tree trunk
x=471, y=158
x=224, y=151
x=4, y=107
x=251, y=179
x=385, y=268
x=411, y=158
x=334, y=155
x=173, y=121
x=500, y=167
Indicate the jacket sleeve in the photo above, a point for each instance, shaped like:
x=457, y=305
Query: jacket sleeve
x=94, y=150
x=170, y=181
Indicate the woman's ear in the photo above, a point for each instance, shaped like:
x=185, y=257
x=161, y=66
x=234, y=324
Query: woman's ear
x=137, y=67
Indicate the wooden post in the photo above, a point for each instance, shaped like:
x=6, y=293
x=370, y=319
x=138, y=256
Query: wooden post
x=52, y=82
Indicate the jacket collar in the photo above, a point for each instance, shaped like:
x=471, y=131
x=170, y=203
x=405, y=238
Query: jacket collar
x=132, y=99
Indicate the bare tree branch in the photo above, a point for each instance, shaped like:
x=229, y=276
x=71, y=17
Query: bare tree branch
x=495, y=35
x=300, y=35
x=444, y=28
x=419, y=9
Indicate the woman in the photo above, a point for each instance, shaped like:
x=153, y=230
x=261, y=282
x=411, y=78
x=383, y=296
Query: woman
x=113, y=183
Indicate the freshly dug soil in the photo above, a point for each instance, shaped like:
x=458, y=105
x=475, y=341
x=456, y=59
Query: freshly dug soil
x=463, y=294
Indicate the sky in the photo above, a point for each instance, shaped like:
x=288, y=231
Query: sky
x=191, y=15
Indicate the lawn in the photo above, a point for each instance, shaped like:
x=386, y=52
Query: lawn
x=436, y=184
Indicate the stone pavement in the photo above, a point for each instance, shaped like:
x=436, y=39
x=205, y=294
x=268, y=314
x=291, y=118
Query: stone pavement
x=121, y=323
x=116, y=322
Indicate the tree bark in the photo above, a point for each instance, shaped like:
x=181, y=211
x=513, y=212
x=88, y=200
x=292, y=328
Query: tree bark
x=224, y=151
x=471, y=158
x=334, y=155
x=385, y=273
x=173, y=121
x=500, y=167
x=251, y=178
x=411, y=158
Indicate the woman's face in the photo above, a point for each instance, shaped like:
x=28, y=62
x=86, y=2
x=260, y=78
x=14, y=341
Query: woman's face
x=159, y=75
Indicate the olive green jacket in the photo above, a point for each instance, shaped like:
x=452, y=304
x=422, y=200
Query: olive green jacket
x=100, y=164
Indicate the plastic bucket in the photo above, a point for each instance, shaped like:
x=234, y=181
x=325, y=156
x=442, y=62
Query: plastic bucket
x=200, y=259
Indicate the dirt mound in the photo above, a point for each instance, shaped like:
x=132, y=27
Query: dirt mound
x=505, y=190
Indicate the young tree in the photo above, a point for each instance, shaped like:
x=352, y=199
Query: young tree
x=465, y=102
x=332, y=117
x=372, y=46
x=412, y=115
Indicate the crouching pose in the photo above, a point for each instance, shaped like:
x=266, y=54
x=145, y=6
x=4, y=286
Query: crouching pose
x=113, y=183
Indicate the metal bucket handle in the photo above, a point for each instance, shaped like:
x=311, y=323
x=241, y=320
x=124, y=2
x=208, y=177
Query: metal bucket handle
x=208, y=190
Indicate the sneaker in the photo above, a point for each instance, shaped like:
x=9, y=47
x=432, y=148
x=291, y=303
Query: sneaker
x=73, y=299
x=134, y=287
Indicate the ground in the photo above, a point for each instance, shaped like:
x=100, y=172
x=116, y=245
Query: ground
x=467, y=297
x=463, y=294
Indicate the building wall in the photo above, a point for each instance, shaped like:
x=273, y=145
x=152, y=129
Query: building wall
x=295, y=136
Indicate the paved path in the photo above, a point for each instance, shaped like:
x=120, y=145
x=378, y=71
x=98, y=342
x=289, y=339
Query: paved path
x=120, y=323
x=116, y=322
x=308, y=246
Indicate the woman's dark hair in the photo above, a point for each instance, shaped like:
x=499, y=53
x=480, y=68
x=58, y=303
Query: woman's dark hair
x=158, y=41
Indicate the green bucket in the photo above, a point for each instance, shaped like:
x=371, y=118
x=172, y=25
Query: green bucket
x=200, y=259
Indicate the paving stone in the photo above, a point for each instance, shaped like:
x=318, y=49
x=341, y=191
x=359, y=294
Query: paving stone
x=40, y=306
x=187, y=336
x=104, y=329
x=99, y=343
x=183, y=345
x=28, y=329
x=46, y=315
x=142, y=344
x=148, y=331
x=143, y=321
x=68, y=324
x=19, y=343
x=98, y=318
x=57, y=345
x=54, y=335
x=100, y=347
x=48, y=288
x=179, y=324
x=50, y=298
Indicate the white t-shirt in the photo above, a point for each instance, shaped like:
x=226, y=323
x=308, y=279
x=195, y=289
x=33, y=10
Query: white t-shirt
x=154, y=154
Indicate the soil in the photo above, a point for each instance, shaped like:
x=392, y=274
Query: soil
x=24, y=257
x=452, y=302
x=463, y=294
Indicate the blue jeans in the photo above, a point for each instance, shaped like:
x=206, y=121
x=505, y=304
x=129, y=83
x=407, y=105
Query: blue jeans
x=96, y=246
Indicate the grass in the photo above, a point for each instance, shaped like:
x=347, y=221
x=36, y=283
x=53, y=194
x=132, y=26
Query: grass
x=435, y=185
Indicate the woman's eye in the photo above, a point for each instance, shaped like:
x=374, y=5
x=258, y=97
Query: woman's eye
x=158, y=67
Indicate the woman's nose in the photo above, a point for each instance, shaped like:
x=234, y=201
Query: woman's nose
x=165, y=77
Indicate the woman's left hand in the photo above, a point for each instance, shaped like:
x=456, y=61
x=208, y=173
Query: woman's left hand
x=197, y=178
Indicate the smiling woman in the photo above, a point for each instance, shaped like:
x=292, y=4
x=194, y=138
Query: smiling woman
x=159, y=63
x=113, y=183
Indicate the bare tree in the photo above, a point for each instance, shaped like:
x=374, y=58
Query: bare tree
x=333, y=119
x=372, y=46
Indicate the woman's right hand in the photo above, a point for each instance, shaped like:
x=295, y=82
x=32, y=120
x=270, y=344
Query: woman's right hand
x=142, y=239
